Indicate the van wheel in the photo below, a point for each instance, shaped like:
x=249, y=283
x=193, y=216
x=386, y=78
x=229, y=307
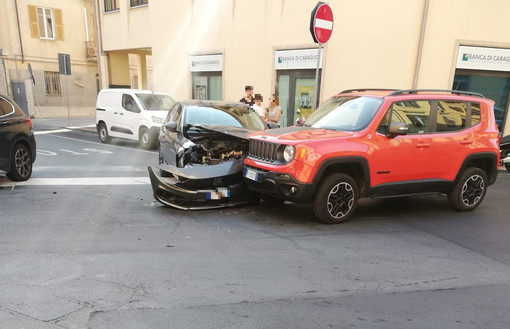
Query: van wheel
x=21, y=163
x=103, y=133
x=145, y=139
x=469, y=191
x=336, y=198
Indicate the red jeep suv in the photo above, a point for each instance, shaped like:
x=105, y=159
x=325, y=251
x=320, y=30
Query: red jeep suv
x=379, y=143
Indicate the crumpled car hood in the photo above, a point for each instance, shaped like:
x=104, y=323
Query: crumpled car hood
x=198, y=133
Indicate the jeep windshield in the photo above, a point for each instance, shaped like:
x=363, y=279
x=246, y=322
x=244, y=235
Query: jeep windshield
x=156, y=102
x=345, y=113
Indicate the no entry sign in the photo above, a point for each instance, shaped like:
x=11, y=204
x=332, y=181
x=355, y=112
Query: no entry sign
x=321, y=23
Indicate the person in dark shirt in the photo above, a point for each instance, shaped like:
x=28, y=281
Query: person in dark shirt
x=248, y=99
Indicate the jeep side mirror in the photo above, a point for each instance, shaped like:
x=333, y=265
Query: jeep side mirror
x=398, y=128
x=170, y=125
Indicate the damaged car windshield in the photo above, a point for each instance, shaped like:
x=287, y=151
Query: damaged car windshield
x=345, y=113
x=156, y=102
x=224, y=115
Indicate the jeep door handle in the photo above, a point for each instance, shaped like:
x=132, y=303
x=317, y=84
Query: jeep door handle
x=422, y=144
x=466, y=141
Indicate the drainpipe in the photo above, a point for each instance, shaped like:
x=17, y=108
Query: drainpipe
x=19, y=32
x=420, y=45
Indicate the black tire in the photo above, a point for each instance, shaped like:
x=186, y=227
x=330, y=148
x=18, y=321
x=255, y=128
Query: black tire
x=336, y=198
x=469, y=190
x=102, y=131
x=507, y=166
x=146, y=140
x=21, y=163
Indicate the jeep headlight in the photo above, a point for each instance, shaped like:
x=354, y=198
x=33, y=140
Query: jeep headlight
x=158, y=120
x=288, y=153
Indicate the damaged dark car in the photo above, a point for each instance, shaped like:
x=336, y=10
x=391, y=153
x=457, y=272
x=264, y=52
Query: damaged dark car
x=202, y=146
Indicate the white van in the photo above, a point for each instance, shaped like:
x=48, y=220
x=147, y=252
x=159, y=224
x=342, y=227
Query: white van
x=131, y=114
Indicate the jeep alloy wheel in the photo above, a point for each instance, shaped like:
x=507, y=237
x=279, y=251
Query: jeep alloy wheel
x=469, y=191
x=336, y=198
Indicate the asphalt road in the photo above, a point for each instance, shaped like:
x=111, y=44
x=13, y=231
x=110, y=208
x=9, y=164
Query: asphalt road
x=83, y=244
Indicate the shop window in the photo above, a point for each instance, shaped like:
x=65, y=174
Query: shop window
x=135, y=3
x=46, y=23
x=52, y=83
x=110, y=5
x=207, y=86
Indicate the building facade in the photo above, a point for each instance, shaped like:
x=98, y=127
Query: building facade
x=32, y=35
x=211, y=49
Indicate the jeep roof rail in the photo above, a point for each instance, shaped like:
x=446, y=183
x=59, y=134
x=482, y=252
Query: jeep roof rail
x=365, y=89
x=416, y=91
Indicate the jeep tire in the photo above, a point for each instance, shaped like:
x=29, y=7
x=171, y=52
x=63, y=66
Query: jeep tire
x=336, y=198
x=469, y=190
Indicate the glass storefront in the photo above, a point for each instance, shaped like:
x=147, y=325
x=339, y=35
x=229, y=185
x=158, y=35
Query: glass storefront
x=493, y=85
x=207, y=85
x=296, y=89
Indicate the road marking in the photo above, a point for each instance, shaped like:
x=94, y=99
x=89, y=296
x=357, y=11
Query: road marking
x=105, y=145
x=44, y=132
x=84, y=181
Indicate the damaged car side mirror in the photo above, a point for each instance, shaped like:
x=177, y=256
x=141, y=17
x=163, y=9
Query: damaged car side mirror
x=170, y=125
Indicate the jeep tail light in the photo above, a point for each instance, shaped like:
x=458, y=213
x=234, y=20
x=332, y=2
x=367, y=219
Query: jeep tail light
x=29, y=122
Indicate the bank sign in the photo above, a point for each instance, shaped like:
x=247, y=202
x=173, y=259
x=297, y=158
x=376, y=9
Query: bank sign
x=296, y=59
x=206, y=63
x=479, y=58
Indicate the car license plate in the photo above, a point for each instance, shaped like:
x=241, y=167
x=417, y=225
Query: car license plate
x=251, y=174
x=221, y=192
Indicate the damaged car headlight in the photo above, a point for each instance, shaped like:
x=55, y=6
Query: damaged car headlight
x=158, y=120
x=288, y=153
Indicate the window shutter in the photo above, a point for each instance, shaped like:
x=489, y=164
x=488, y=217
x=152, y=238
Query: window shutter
x=32, y=16
x=59, y=24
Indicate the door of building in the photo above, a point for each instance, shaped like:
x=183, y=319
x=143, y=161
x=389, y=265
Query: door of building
x=295, y=91
x=20, y=96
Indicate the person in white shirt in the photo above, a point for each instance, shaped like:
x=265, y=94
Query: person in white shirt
x=257, y=107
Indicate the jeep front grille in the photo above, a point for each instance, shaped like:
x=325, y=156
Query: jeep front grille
x=263, y=151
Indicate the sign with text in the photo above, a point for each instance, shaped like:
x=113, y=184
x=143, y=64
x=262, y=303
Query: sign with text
x=480, y=58
x=206, y=63
x=296, y=59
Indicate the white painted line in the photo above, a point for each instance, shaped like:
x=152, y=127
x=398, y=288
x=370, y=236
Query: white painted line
x=85, y=181
x=105, y=145
x=43, y=132
x=323, y=24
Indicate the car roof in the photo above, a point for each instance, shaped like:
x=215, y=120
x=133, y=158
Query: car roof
x=196, y=102
x=404, y=92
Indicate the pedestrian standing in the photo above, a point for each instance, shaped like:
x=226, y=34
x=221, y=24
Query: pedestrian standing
x=248, y=98
x=257, y=107
x=274, y=111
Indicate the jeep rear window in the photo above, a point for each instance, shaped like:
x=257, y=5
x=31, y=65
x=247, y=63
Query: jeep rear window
x=345, y=113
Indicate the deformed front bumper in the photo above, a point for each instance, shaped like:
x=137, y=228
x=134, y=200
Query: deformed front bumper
x=199, y=187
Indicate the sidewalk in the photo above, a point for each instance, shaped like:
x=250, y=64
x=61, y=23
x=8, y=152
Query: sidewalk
x=86, y=124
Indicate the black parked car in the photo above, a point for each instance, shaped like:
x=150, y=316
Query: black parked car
x=202, y=146
x=17, y=141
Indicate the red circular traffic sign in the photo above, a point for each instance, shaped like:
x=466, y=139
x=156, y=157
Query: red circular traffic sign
x=321, y=23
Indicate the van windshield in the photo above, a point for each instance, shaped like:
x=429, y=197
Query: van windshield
x=156, y=102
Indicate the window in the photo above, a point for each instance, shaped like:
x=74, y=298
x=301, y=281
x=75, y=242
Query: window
x=52, y=83
x=46, y=23
x=5, y=107
x=475, y=114
x=415, y=113
x=135, y=3
x=451, y=116
x=129, y=103
x=46, y=27
x=110, y=5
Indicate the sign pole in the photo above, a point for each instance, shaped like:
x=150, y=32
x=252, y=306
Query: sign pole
x=316, y=90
